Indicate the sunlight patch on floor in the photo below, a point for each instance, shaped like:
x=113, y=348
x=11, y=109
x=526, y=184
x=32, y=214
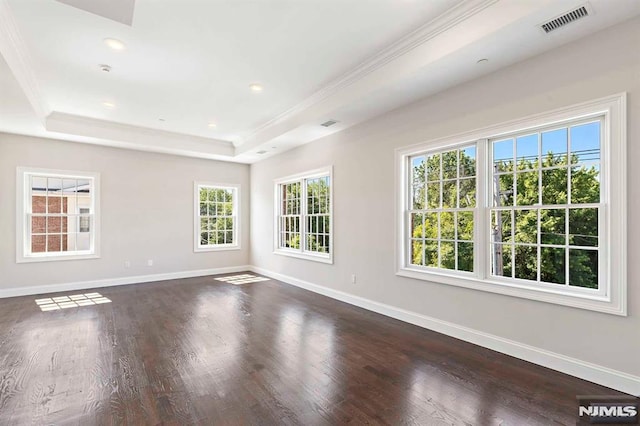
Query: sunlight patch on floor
x=242, y=279
x=73, y=301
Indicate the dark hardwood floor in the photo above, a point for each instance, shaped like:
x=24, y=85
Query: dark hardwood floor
x=200, y=351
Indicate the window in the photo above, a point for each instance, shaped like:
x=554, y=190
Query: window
x=533, y=209
x=303, y=216
x=58, y=215
x=216, y=221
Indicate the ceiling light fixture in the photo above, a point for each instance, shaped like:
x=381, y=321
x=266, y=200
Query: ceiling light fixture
x=104, y=68
x=256, y=87
x=212, y=125
x=482, y=61
x=114, y=44
x=109, y=104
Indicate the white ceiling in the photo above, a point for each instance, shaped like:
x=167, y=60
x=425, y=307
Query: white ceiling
x=190, y=62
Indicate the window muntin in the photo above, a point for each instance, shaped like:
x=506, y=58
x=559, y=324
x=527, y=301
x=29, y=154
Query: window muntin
x=546, y=203
x=443, y=200
x=58, y=215
x=303, y=216
x=217, y=216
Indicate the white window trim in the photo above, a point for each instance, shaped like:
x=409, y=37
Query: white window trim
x=612, y=298
x=302, y=253
x=22, y=227
x=197, y=248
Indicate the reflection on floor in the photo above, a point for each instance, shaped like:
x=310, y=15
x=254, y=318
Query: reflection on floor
x=242, y=279
x=73, y=301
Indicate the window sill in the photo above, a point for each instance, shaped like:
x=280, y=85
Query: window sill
x=216, y=248
x=581, y=301
x=306, y=256
x=56, y=258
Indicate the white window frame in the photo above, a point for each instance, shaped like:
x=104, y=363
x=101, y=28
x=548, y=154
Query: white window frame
x=611, y=296
x=235, y=245
x=302, y=253
x=24, y=209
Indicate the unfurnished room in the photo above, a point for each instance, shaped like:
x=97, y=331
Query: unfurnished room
x=319, y=212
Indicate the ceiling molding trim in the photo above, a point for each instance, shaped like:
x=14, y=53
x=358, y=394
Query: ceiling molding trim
x=452, y=17
x=15, y=53
x=142, y=138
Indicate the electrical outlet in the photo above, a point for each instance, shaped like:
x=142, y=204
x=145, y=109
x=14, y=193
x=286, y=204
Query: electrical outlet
x=127, y=264
x=150, y=262
x=353, y=278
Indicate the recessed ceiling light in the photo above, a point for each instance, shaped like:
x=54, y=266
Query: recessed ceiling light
x=212, y=125
x=482, y=61
x=104, y=67
x=114, y=43
x=108, y=104
x=256, y=87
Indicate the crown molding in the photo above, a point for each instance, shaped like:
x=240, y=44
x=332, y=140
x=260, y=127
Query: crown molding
x=15, y=53
x=449, y=19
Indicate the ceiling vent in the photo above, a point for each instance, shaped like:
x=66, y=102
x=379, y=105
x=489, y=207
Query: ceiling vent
x=329, y=123
x=565, y=19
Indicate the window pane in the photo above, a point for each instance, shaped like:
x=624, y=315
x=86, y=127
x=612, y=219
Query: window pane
x=583, y=227
x=447, y=255
x=55, y=204
x=417, y=226
x=417, y=252
x=83, y=241
x=465, y=257
x=553, y=265
x=585, y=142
x=203, y=209
x=431, y=253
x=54, y=224
x=467, y=161
x=503, y=155
x=554, y=186
x=417, y=170
x=204, y=224
x=433, y=167
x=450, y=165
x=447, y=226
x=449, y=194
x=467, y=193
x=212, y=195
x=501, y=260
x=54, y=243
x=526, y=262
x=38, y=243
x=527, y=152
x=585, y=183
x=526, y=226
x=528, y=191
x=553, y=226
x=503, y=196
x=418, y=197
x=431, y=225
x=554, y=148
x=433, y=195
x=501, y=226
x=38, y=204
x=583, y=268
x=69, y=187
x=465, y=226
x=38, y=225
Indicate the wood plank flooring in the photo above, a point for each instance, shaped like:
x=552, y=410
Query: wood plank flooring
x=200, y=351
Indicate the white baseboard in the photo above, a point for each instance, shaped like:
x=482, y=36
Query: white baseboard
x=84, y=285
x=585, y=370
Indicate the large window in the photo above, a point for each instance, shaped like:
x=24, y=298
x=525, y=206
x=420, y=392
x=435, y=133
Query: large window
x=216, y=221
x=303, y=216
x=58, y=215
x=537, y=212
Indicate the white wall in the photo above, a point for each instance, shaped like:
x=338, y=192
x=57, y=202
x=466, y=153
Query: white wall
x=146, y=211
x=363, y=159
